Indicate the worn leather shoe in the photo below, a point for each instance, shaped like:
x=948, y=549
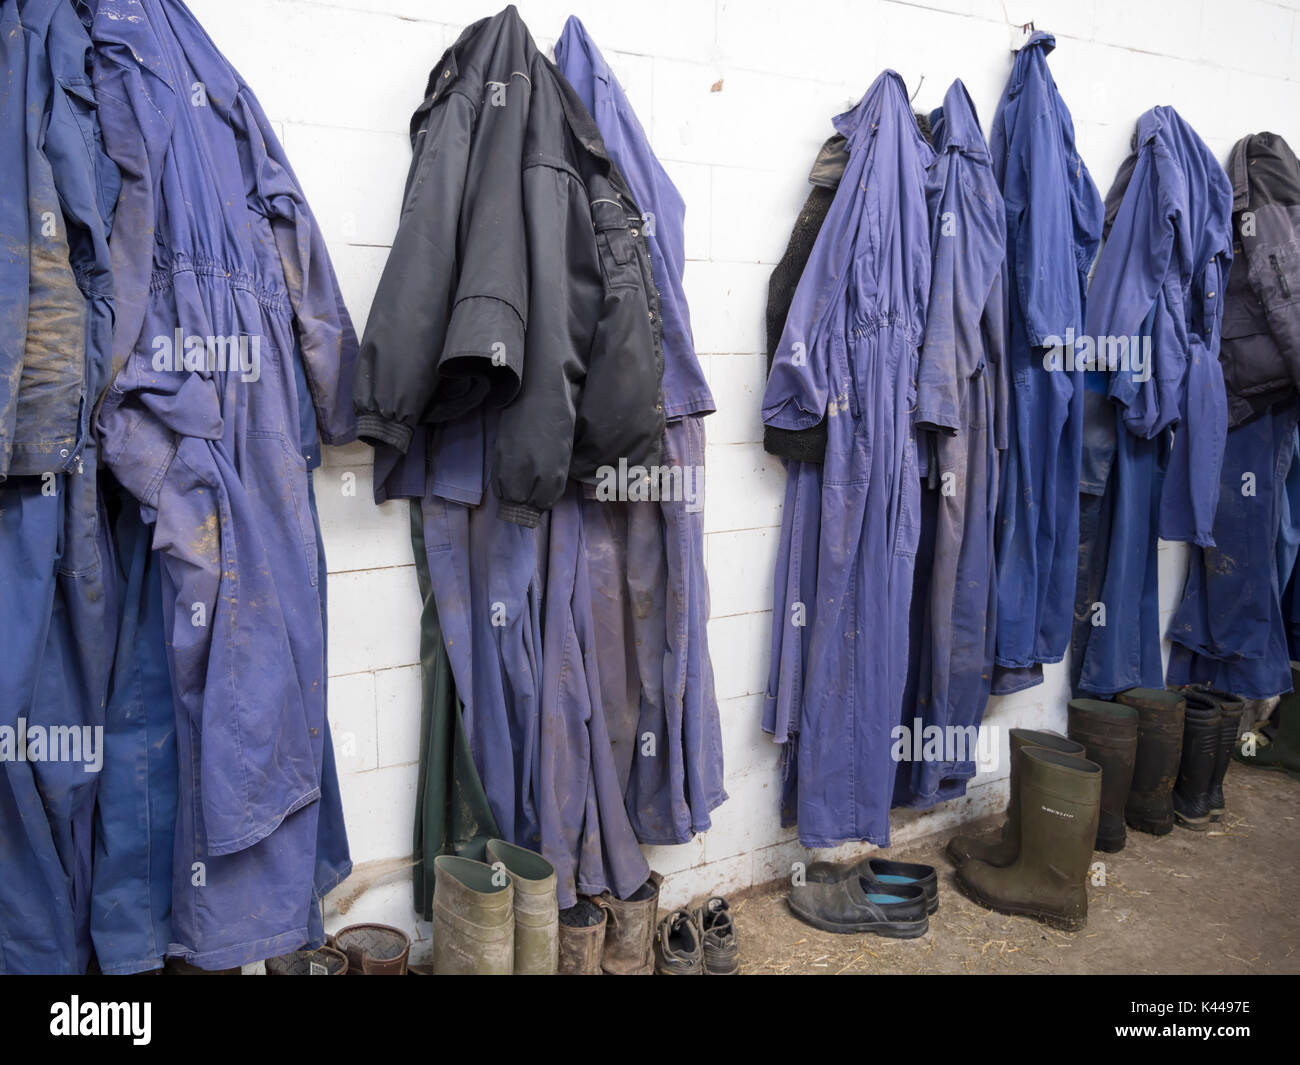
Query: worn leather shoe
x=856, y=904
x=884, y=872
x=721, y=950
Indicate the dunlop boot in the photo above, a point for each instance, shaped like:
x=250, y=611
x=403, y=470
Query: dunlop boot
x=537, y=911
x=473, y=919
x=1002, y=849
x=1155, y=768
x=630, y=933
x=1109, y=734
x=1060, y=802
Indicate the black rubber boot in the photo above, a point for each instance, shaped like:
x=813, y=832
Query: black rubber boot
x=1201, y=727
x=1002, y=850
x=1109, y=734
x=1155, y=768
x=1231, y=707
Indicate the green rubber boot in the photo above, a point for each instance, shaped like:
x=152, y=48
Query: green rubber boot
x=1002, y=850
x=537, y=913
x=473, y=919
x=1060, y=802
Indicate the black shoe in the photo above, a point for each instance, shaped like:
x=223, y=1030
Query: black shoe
x=721, y=951
x=884, y=872
x=856, y=904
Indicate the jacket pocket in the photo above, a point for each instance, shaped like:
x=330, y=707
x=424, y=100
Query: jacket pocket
x=615, y=241
x=1275, y=275
x=287, y=465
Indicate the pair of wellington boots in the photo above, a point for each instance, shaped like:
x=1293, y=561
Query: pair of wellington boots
x=496, y=917
x=618, y=940
x=1210, y=726
x=1039, y=864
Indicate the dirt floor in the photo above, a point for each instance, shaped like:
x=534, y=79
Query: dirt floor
x=1222, y=901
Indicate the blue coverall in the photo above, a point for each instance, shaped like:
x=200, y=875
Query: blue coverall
x=215, y=241
x=849, y=354
x=1158, y=293
x=961, y=414
x=1054, y=218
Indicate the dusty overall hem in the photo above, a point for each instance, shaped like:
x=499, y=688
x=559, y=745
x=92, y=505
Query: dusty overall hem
x=223, y=847
x=241, y=954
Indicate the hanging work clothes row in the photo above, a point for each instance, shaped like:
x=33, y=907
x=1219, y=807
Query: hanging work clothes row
x=971, y=583
x=574, y=663
x=168, y=557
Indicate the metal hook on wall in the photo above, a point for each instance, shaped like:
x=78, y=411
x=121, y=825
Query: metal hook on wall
x=918, y=89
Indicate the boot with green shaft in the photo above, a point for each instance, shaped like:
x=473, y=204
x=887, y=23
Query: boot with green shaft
x=537, y=911
x=1060, y=801
x=1002, y=849
x=473, y=919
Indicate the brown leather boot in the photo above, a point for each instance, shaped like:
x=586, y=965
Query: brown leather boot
x=1002, y=850
x=582, y=938
x=630, y=934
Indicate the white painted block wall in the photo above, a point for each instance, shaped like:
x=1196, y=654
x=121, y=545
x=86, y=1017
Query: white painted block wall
x=340, y=79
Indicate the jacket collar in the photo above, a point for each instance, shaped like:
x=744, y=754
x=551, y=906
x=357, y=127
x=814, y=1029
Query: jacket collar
x=956, y=125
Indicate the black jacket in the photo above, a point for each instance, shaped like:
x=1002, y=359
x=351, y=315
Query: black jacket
x=1260, y=350
x=519, y=277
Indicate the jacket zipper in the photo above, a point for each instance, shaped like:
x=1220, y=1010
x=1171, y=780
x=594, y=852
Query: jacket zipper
x=1281, y=278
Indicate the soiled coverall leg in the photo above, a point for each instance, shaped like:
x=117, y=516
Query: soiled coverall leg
x=38, y=932
x=650, y=606
x=135, y=816
x=487, y=591
x=585, y=831
x=1230, y=627
x=794, y=595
